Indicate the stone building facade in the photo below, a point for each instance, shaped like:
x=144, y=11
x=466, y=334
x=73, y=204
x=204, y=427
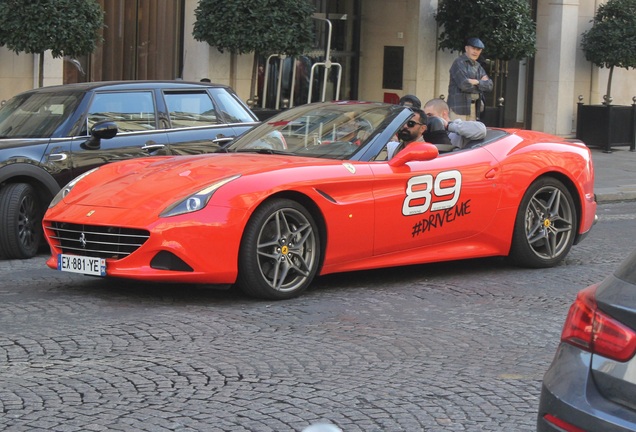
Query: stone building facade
x=541, y=95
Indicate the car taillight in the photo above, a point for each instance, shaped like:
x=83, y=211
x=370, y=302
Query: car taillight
x=562, y=424
x=590, y=329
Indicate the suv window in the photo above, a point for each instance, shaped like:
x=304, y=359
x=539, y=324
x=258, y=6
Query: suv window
x=190, y=109
x=132, y=111
x=231, y=108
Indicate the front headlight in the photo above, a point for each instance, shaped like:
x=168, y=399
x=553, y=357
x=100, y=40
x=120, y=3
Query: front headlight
x=196, y=201
x=68, y=188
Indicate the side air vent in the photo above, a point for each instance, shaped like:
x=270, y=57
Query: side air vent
x=168, y=261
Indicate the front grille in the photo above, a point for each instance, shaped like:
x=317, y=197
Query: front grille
x=97, y=241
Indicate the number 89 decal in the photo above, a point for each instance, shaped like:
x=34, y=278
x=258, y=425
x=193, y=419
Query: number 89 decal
x=439, y=193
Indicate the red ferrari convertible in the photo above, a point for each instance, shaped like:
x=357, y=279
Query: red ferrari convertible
x=311, y=192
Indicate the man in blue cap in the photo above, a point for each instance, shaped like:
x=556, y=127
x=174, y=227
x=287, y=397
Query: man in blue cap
x=468, y=80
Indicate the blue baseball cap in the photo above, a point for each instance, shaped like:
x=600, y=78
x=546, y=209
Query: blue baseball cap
x=475, y=42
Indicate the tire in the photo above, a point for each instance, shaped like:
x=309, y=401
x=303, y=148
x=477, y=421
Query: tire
x=280, y=251
x=545, y=226
x=21, y=220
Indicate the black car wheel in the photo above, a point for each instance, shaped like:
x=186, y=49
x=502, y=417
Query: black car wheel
x=21, y=219
x=280, y=251
x=545, y=226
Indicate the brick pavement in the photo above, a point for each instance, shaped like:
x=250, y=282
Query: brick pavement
x=442, y=347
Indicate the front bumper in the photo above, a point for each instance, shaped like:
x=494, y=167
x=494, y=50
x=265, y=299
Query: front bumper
x=201, y=247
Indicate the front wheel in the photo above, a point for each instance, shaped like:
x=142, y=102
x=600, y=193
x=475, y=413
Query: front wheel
x=21, y=221
x=280, y=251
x=545, y=226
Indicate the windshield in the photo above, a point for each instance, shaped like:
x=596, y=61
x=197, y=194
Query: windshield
x=36, y=115
x=332, y=131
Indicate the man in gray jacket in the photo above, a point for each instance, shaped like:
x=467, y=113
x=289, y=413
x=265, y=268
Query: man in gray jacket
x=459, y=131
x=468, y=80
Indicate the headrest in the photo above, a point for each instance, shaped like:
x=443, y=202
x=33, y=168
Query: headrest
x=410, y=100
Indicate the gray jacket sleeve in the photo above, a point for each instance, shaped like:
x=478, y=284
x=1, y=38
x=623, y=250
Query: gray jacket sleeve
x=471, y=130
x=391, y=147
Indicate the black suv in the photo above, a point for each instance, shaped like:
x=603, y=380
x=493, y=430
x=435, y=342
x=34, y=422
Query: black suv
x=50, y=135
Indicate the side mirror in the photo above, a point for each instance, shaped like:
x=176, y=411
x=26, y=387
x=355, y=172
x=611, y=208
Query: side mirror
x=417, y=151
x=100, y=130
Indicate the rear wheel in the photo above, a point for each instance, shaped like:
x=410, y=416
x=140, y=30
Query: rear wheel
x=280, y=251
x=545, y=226
x=21, y=221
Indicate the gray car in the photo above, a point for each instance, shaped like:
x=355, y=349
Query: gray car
x=50, y=135
x=591, y=384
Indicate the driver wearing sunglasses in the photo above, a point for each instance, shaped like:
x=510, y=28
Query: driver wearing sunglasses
x=410, y=132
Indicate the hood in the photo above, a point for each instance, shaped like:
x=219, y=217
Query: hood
x=154, y=183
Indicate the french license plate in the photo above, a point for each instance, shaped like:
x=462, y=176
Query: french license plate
x=81, y=264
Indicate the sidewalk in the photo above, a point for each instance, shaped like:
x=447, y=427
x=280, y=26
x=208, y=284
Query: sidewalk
x=615, y=174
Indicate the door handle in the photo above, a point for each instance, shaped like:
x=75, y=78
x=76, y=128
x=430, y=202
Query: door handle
x=57, y=157
x=220, y=140
x=492, y=173
x=151, y=146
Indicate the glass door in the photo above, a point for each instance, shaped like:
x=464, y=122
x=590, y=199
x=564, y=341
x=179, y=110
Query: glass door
x=331, y=75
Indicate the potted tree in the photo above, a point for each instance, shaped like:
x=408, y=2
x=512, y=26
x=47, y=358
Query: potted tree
x=69, y=28
x=506, y=28
x=260, y=26
x=610, y=43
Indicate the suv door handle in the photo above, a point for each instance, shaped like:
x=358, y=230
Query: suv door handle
x=224, y=139
x=57, y=157
x=151, y=146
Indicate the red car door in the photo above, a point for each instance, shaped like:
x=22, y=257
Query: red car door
x=423, y=204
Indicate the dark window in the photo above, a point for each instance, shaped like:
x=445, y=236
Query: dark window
x=393, y=70
x=233, y=111
x=190, y=109
x=132, y=111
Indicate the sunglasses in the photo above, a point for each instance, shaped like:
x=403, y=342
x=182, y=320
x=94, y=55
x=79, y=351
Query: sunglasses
x=412, y=123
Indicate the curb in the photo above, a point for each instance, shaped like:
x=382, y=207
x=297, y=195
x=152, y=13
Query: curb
x=609, y=195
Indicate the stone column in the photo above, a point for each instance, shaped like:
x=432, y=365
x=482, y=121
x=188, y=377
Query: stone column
x=554, y=101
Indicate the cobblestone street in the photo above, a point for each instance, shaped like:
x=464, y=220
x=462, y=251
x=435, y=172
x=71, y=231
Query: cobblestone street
x=457, y=346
